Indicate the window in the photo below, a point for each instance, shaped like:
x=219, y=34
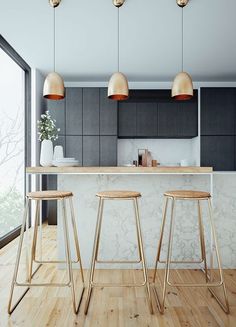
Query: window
x=14, y=143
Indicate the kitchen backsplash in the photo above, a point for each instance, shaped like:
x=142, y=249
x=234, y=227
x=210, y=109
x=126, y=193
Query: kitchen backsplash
x=166, y=152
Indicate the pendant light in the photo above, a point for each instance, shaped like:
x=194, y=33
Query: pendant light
x=53, y=88
x=118, y=88
x=182, y=88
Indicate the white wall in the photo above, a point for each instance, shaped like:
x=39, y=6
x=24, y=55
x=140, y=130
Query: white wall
x=37, y=106
x=36, y=110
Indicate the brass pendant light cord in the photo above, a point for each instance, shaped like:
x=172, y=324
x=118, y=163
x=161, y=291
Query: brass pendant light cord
x=182, y=39
x=54, y=39
x=118, y=38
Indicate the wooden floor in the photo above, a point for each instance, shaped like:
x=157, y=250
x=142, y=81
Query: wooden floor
x=109, y=307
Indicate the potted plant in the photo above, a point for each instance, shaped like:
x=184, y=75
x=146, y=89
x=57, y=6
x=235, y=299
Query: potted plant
x=47, y=132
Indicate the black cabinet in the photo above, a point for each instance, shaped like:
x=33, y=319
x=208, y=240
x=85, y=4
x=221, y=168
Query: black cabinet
x=127, y=119
x=108, y=114
x=218, y=152
x=74, y=147
x=146, y=119
x=91, y=111
x=165, y=119
x=56, y=109
x=218, y=111
x=90, y=150
x=177, y=120
x=74, y=110
x=218, y=114
x=108, y=150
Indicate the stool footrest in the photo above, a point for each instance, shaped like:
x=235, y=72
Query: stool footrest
x=44, y=284
x=118, y=285
x=195, y=284
x=54, y=261
x=176, y=261
x=117, y=261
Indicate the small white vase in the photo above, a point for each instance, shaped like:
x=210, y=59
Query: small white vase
x=46, y=154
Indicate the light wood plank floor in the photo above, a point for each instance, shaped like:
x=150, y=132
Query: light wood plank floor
x=109, y=307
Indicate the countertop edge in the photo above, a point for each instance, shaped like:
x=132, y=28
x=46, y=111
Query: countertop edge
x=119, y=170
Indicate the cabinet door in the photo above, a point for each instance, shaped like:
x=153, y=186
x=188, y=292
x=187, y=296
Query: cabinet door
x=74, y=111
x=177, y=120
x=146, y=120
x=74, y=147
x=90, y=150
x=108, y=114
x=218, y=111
x=108, y=150
x=218, y=152
x=91, y=111
x=57, y=111
x=127, y=119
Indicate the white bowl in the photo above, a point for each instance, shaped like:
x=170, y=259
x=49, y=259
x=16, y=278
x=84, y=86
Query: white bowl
x=66, y=164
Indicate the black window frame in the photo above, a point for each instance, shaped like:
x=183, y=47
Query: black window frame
x=8, y=49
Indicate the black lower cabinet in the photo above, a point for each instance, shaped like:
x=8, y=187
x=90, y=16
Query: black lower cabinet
x=90, y=150
x=218, y=152
x=108, y=151
x=74, y=147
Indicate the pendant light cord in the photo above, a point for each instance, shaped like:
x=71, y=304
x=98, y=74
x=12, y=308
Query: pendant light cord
x=54, y=39
x=182, y=39
x=118, y=38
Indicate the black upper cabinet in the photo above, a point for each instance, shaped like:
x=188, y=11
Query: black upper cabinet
x=74, y=110
x=127, y=119
x=146, y=120
x=177, y=119
x=91, y=111
x=218, y=111
x=218, y=152
x=157, y=117
x=108, y=114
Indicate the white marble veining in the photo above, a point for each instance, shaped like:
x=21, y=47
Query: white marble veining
x=118, y=231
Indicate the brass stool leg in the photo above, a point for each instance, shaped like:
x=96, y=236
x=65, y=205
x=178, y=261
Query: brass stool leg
x=76, y=244
x=99, y=230
x=10, y=308
x=225, y=306
x=33, y=248
x=68, y=258
x=76, y=237
x=161, y=303
x=95, y=249
x=145, y=275
x=161, y=238
x=202, y=239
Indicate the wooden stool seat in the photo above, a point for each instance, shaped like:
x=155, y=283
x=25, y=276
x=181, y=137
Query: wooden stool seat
x=118, y=194
x=49, y=194
x=183, y=194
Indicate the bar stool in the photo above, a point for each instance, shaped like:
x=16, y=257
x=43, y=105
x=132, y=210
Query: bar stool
x=198, y=196
x=117, y=195
x=39, y=196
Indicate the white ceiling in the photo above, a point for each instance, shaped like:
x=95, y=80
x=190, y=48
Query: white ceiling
x=150, y=38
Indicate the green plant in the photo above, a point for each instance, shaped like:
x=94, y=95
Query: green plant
x=47, y=128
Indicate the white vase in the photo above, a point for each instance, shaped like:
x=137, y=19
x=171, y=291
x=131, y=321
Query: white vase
x=46, y=154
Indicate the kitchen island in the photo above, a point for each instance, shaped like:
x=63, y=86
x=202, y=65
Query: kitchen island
x=118, y=238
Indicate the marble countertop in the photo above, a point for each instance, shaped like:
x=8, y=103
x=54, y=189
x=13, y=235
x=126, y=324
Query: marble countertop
x=119, y=170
